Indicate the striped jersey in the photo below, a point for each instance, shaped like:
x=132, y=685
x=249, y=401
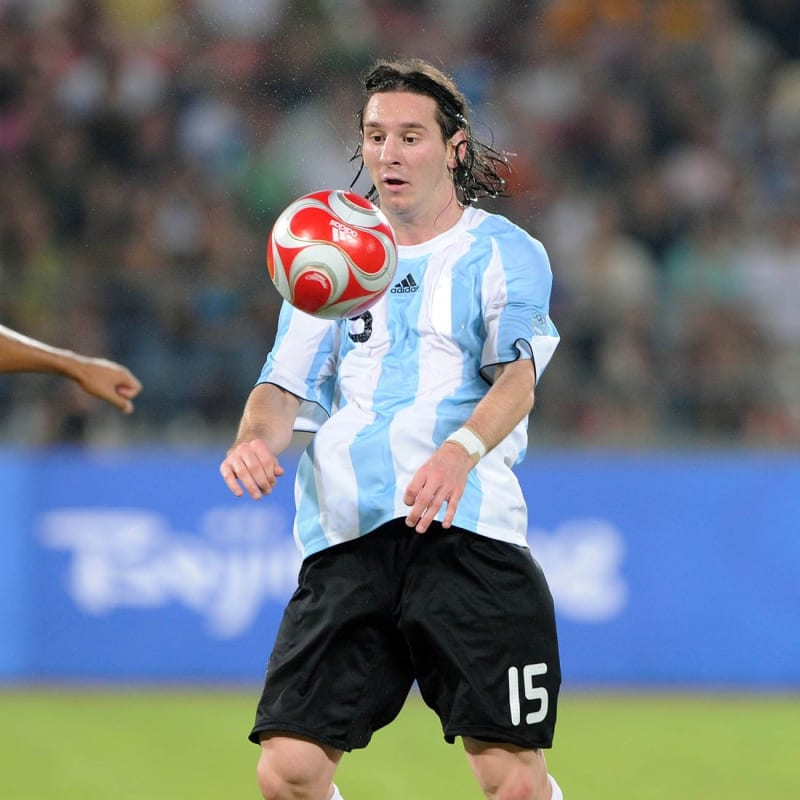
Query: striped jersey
x=383, y=390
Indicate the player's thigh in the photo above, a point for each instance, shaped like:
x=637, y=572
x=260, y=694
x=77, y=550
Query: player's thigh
x=289, y=763
x=504, y=770
x=339, y=669
x=479, y=619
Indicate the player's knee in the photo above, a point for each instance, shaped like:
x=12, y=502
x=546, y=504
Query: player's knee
x=272, y=784
x=268, y=781
x=290, y=770
x=519, y=782
x=280, y=780
x=519, y=787
x=278, y=785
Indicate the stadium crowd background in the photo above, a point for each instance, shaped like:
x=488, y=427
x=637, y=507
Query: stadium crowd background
x=146, y=147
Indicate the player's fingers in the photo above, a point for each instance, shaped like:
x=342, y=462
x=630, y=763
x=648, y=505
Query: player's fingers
x=452, y=507
x=427, y=516
x=133, y=386
x=425, y=510
x=261, y=469
x=452, y=498
x=122, y=398
x=229, y=476
x=255, y=479
x=418, y=502
x=128, y=388
x=242, y=468
x=119, y=401
x=412, y=490
x=264, y=466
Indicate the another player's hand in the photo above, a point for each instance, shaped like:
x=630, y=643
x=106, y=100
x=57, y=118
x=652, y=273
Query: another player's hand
x=109, y=381
x=253, y=466
x=441, y=479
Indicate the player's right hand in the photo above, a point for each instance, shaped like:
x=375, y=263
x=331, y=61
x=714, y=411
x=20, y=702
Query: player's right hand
x=251, y=466
x=107, y=380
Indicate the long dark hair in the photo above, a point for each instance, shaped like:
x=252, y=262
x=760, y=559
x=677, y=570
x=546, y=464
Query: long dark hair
x=479, y=167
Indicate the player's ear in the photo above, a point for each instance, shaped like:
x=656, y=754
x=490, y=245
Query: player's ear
x=455, y=149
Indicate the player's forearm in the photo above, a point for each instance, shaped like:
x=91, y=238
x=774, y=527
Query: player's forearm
x=269, y=415
x=20, y=353
x=509, y=400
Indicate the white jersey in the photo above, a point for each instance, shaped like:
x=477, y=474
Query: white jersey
x=383, y=390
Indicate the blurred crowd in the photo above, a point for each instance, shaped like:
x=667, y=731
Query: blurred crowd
x=146, y=147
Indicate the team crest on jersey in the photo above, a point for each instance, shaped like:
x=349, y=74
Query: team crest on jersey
x=539, y=324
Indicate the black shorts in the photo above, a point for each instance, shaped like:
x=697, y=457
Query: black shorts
x=469, y=618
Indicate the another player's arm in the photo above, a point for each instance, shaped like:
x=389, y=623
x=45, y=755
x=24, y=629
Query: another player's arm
x=98, y=376
x=265, y=431
x=443, y=477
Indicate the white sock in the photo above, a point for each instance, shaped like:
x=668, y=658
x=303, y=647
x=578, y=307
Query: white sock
x=555, y=789
x=337, y=796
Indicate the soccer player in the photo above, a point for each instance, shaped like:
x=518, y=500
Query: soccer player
x=411, y=521
x=102, y=378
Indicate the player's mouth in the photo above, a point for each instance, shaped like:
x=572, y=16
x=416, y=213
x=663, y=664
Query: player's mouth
x=394, y=183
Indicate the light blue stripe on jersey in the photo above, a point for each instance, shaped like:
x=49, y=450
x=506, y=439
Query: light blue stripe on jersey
x=396, y=389
x=308, y=531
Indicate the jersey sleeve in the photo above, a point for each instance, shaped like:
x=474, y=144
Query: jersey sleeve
x=303, y=361
x=516, y=304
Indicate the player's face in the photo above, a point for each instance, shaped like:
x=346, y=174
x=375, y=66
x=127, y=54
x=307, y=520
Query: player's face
x=408, y=160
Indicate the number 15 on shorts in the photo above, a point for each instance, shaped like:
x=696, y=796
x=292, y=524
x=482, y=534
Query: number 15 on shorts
x=524, y=686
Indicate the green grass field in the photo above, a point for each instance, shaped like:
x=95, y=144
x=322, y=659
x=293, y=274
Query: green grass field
x=140, y=744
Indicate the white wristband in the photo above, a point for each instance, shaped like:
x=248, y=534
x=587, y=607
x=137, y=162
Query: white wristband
x=470, y=441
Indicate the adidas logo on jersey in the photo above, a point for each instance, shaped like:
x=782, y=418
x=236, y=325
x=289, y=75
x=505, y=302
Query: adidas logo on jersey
x=405, y=286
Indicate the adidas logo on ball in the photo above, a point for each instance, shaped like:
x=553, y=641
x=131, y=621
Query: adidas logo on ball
x=340, y=231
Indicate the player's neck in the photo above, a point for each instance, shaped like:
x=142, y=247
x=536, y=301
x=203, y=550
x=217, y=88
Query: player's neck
x=411, y=230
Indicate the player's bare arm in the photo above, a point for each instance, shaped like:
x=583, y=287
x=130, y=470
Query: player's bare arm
x=265, y=431
x=442, y=478
x=97, y=376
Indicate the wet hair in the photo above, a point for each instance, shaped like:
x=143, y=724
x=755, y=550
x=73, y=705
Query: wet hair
x=480, y=169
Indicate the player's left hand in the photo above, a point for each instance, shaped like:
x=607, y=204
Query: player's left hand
x=441, y=479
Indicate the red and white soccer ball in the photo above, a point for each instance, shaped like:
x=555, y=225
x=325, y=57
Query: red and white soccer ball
x=332, y=254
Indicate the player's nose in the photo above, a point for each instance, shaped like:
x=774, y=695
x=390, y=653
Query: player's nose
x=390, y=152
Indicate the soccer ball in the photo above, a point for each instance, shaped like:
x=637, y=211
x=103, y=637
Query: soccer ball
x=332, y=254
